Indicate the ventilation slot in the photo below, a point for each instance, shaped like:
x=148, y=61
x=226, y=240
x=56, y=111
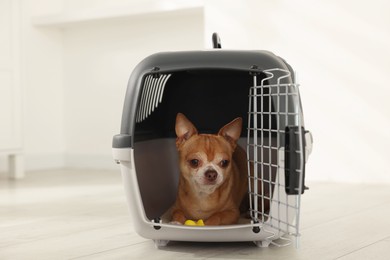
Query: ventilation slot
x=152, y=93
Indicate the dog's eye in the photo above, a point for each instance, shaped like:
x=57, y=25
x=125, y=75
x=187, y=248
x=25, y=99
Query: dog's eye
x=194, y=163
x=224, y=163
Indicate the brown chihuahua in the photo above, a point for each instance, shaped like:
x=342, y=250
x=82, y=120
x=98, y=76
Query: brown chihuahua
x=213, y=174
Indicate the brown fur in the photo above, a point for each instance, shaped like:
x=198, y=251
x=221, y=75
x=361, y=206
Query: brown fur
x=216, y=202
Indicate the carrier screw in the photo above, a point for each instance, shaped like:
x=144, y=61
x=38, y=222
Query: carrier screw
x=254, y=70
x=155, y=72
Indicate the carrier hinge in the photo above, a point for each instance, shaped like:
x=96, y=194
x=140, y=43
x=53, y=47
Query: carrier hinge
x=156, y=72
x=255, y=229
x=157, y=220
x=254, y=70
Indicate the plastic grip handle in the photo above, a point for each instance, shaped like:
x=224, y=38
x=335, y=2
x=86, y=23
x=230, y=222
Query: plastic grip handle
x=294, y=160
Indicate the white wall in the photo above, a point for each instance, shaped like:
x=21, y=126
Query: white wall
x=42, y=87
x=99, y=58
x=75, y=78
x=341, y=51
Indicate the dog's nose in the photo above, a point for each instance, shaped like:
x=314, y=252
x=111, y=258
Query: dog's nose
x=211, y=175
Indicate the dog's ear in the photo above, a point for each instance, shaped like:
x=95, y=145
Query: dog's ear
x=232, y=131
x=184, y=129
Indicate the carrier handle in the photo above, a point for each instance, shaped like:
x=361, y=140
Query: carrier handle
x=294, y=163
x=216, y=41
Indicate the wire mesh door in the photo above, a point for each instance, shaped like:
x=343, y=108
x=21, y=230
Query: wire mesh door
x=275, y=155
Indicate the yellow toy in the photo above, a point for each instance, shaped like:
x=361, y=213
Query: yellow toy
x=190, y=222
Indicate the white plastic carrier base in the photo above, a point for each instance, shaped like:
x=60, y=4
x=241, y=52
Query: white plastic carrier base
x=280, y=225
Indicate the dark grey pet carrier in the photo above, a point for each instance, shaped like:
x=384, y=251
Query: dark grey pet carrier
x=212, y=87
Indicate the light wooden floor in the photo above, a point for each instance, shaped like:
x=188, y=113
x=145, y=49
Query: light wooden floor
x=70, y=214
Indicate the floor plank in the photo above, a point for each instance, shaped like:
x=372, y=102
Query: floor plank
x=376, y=251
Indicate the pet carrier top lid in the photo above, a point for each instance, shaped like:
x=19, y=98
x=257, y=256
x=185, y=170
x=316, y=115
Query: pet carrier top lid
x=253, y=62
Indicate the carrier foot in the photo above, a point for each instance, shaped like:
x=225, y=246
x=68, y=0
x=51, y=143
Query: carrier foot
x=160, y=243
x=262, y=243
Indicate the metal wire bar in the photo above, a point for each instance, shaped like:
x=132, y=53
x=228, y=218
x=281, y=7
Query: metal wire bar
x=275, y=113
x=270, y=182
x=279, y=202
x=255, y=155
x=264, y=146
x=278, y=85
x=301, y=159
x=280, y=222
x=248, y=148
